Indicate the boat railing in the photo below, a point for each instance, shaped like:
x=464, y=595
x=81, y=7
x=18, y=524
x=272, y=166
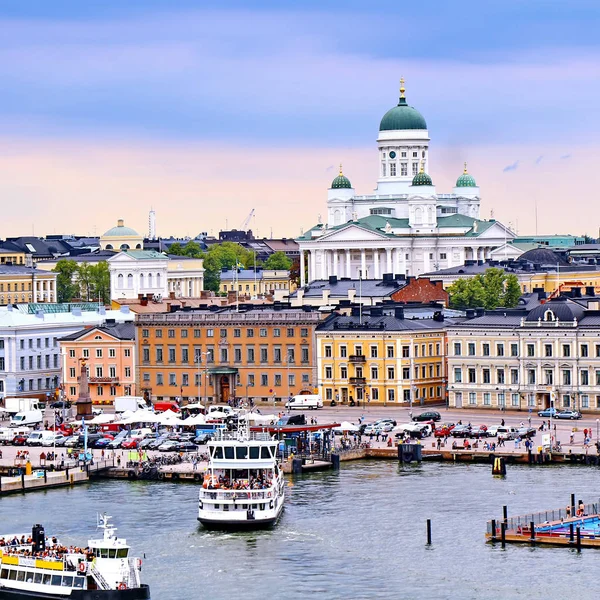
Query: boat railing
x=242, y=436
x=547, y=516
x=99, y=578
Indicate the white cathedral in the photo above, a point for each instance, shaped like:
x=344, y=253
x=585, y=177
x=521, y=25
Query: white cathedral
x=405, y=227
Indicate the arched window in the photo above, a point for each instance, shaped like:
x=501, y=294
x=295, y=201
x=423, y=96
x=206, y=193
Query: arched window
x=120, y=280
x=141, y=280
x=130, y=281
x=158, y=280
x=109, y=246
x=149, y=280
x=418, y=215
x=124, y=247
x=549, y=316
x=138, y=247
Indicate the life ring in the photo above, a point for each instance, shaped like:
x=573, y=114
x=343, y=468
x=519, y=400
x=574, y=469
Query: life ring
x=268, y=494
x=139, y=564
x=122, y=586
x=82, y=567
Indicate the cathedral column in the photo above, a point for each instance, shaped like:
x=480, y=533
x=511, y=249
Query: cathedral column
x=363, y=263
x=388, y=257
x=323, y=266
x=397, y=270
x=348, y=265
x=335, y=263
x=302, y=276
x=376, y=264
x=462, y=255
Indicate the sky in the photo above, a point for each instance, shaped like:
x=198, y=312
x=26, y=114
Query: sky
x=206, y=110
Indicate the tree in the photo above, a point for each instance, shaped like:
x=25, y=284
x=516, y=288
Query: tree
x=224, y=256
x=100, y=279
x=84, y=279
x=175, y=248
x=66, y=287
x=192, y=249
x=490, y=290
x=278, y=260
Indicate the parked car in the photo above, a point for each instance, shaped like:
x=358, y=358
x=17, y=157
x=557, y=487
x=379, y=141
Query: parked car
x=507, y=433
x=154, y=444
x=548, y=412
x=145, y=443
x=416, y=430
x=568, y=414
x=71, y=441
x=480, y=432
x=392, y=422
x=444, y=430
x=92, y=438
x=187, y=447
x=526, y=432
x=19, y=440
x=169, y=446
x=131, y=444
x=102, y=443
x=116, y=443
x=60, y=404
x=462, y=431
x=430, y=415
x=372, y=429
x=96, y=410
x=203, y=438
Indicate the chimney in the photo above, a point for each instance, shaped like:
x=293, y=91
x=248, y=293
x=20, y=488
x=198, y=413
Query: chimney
x=333, y=279
x=399, y=312
x=351, y=295
x=168, y=307
x=171, y=295
x=144, y=301
x=326, y=294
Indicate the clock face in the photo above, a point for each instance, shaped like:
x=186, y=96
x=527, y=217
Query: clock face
x=392, y=154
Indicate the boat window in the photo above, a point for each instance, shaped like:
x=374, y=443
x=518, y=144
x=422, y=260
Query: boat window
x=103, y=553
x=37, y=578
x=4, y=574
x=12, y=575
x=122, y=553
x=254, y=451
x=112, y=553
x=29, y=576
x=217, y=452
x=241, y=452
x=264, y=452
x=20, y=575
x=229, y=452
x=56, y=579
x=79, y=582
x=67, y=581
x=47, y=579
x=273, y=450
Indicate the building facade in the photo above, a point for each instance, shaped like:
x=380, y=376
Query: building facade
x=20, y=284
x=379, y=357
x=30, y=359
x=109, y=353
x=254, y=283
x=406, y=226
x=258, y=353
x=528, y=360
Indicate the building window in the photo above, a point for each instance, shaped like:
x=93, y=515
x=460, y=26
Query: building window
x=158, y=333
x=343, y=372
x=86, y=353
x=531, y=376
x=405, y=351
x=472, y=375
x=530, y=350
x=566, y=376
x=499, y=349
x=514, y=349
x=471, y=349
x=404, y=168
x=146, y=355
x=375, y=394
x=486, y=376
x=457, y=375
x=277, y=380
x=392, y=169
x=566, y=350
x=585, y=401
x=328, y=373
x=457, y=349
x=584, y=351
x=566, y=401
x=500, y=376
x=223, y=333
x=171, y=333
x=73, y=390
x=159, y=355
x=172, y=354
x=390, y=351
x=442, y=256
x=472, y=398
x=264, y=379
x=585, y=377
x=99, y=372
x=514, y=376
x=112, y=372
x=72, y=373
x=487, y=399
x=250, y=355
x=184, y=333
x=172, y=379
x=374, y=373
x=71, y=353
x=113, y=390
x=548, y=350
x=486, y=349
x=127, y=372
x=391, y=395
x=185, y=355
x=210, y=333
x=373, y=351
x=197, y=333
x=391, y=373
x=415, y=168
x=328, y=352
x=100, y=390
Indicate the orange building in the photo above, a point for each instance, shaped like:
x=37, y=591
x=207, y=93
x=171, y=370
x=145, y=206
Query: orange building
x=109, y=351
x=260, y=352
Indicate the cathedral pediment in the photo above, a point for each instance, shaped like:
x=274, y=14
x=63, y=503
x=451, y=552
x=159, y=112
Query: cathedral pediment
x=352, y=232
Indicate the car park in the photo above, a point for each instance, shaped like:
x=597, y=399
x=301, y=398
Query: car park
x=116, y=443
x=102, y=443
x=145, y=443
x=19, y=440
x=526, y=432
x=444, y=430
x=60, y=404
x=187, y=447
x=548, y=412
x=131, y=444
x=169, y=446
x=568, y=414
x=71, y=441
x=154, y=444
x=430, y=415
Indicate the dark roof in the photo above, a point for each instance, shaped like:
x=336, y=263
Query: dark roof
x=121, y=331
x=382, y=323
x=89, y=256
x=562, y=308
x=543, y=256
x=37, y=246
x=368, y=287
x=21, y=270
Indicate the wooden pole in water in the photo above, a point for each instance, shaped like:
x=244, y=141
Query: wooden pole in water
x=572, y=505
x=503, y=534
x=493, y=530
x=532, y=533
x=505, y=514
x=578, y=539
x=429, y=532
x=571, y=533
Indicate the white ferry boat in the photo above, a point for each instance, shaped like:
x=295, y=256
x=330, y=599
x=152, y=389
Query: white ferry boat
x=35, y=566
x=243, y=485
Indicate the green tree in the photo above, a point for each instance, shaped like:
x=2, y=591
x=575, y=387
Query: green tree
x=84, y=279
x=176, y=249
x=100, y=280
x=66, y=287
x=224, y=256
x=192, y=249
x=278, y=260
x=490, y=290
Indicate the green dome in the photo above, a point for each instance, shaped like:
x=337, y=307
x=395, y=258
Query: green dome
x=421, y=178
x=341, y=181
x=402, y=117
x=120, y=231
x=466, y=180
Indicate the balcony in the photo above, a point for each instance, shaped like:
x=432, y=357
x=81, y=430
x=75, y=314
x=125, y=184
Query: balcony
x=113, y=380
x=358, y=380
x=357, y=359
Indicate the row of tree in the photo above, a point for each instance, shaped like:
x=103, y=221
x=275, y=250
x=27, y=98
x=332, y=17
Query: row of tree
x=492, y=289
x=227, y=255
x=90, y=283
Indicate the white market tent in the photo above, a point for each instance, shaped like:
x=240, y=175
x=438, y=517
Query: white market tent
x=194, y=420
x=346, y=426
x=259, y=419
x=102, y=419
x=216, y=414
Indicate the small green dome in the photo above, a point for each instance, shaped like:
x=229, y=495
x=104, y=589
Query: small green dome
x=421, y=178
x=341, y=181
x=120, y=231
x=466, y=180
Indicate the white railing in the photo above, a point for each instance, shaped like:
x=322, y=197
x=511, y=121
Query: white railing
x=237, y=495
x=99, y=578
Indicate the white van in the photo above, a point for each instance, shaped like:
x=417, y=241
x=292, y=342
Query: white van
x=8, y=435
x=27, y=417
x=138, y=434
x=305, y=401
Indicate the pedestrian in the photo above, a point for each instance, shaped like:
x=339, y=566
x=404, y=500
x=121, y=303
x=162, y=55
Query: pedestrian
x=572, y=438
x=584, y=433
x=439, y=443
x=502, y=423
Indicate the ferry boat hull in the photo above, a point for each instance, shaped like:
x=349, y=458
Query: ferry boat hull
x=241, y=520
x=141, y=593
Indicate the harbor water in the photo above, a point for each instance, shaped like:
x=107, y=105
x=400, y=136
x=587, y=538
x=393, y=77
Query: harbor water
x=356, y=533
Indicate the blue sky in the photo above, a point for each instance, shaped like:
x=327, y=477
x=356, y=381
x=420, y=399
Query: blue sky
x=127, y=103
x=302, y=74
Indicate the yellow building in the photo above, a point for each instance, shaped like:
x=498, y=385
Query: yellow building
x=379, y=357
x=256, y=283
x=20, y=284
x=12, y=257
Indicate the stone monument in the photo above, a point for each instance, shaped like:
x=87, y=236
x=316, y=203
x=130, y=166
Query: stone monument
x=84, y=400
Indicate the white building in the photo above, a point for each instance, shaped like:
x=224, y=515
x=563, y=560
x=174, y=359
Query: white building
x=405, y=227
x=30, y=361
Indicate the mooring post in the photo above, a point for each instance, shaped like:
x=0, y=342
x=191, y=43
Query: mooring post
x=493, y=530
x=572, y=505
x=503, y=534
x=429, y=532
x=571, y=532
x=505, y=514
x=578, y=539
x=532, y=528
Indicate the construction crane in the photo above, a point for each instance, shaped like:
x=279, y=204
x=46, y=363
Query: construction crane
x=247, y=221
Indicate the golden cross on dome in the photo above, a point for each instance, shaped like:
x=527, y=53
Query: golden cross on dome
x=422, y=166
x=341, y=174
x=402, y=89
x=465, y=171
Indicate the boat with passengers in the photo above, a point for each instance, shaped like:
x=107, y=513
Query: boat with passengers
x=243, y=485
x=36, y=566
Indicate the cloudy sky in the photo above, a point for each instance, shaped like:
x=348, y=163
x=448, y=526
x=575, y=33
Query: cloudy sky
x=205, y=110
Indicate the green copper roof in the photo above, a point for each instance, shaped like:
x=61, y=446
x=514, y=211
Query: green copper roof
x=402, y=116
x=341, y=181
x=466, y=180
x=422, y=178
x=121, y=231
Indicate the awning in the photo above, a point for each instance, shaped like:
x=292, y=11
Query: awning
x=223, y=371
